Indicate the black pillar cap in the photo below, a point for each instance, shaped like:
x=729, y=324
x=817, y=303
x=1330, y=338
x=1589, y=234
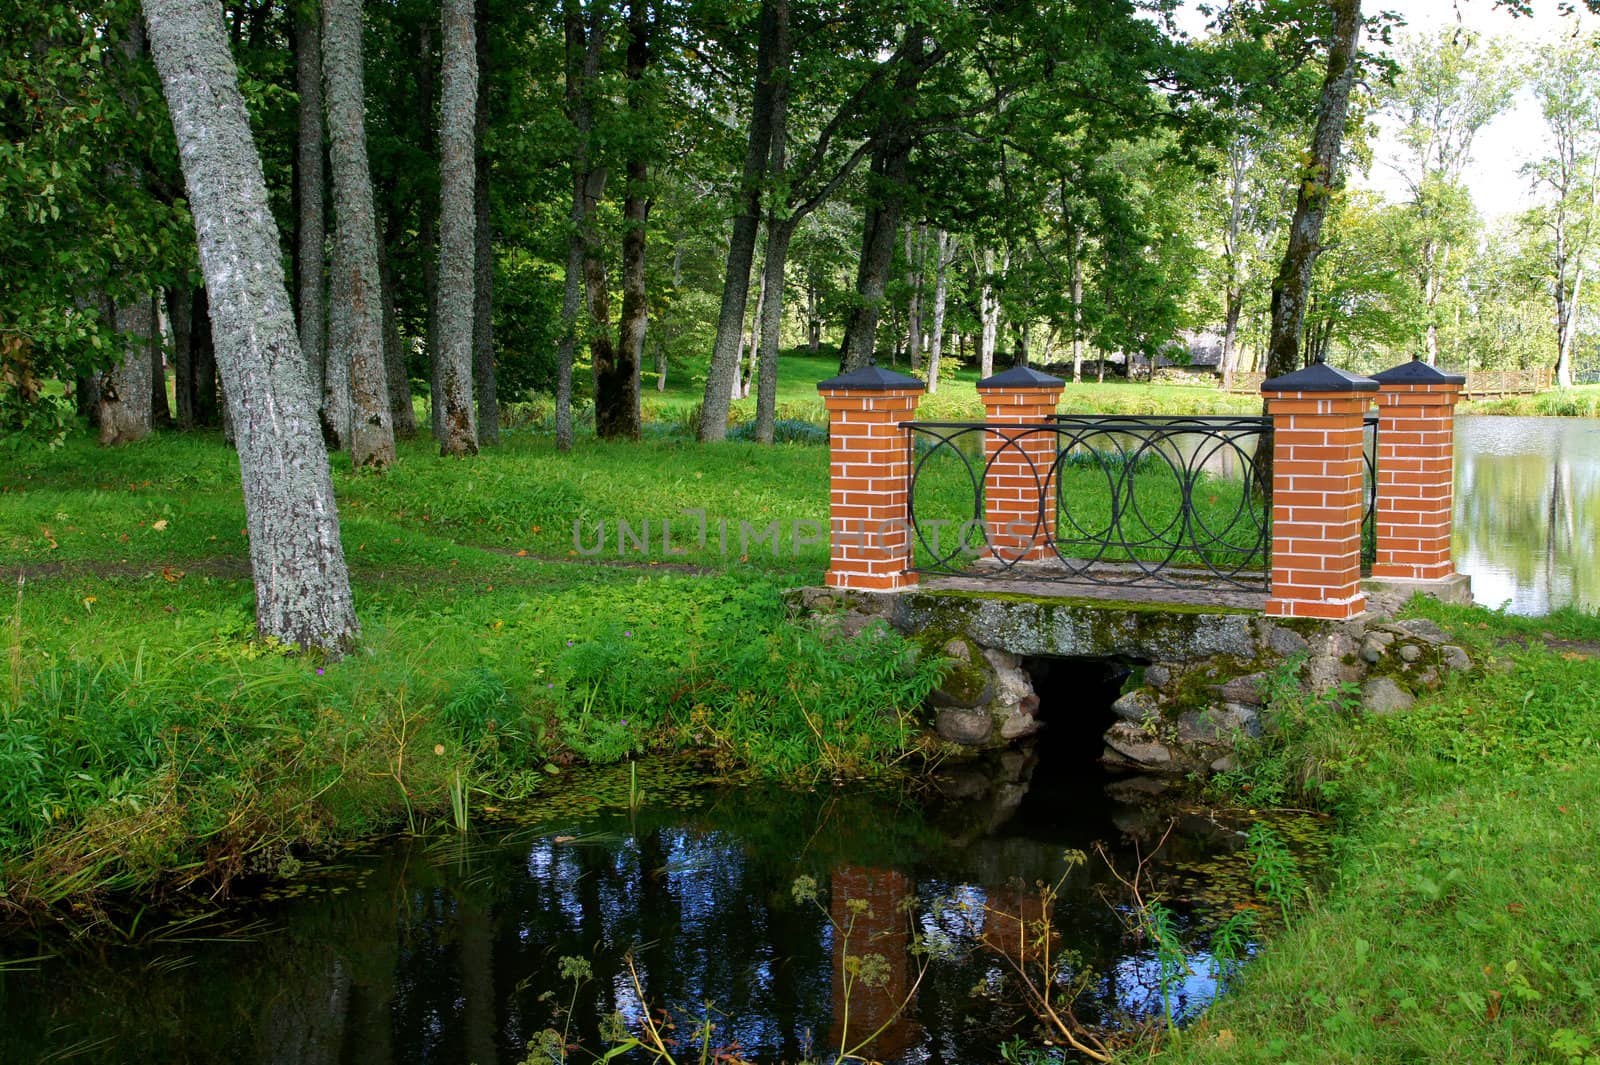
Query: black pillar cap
x=1320, y=377
x=870, y=379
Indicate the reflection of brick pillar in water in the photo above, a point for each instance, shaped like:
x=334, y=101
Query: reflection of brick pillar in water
x=1012, y=919
x=883, y=929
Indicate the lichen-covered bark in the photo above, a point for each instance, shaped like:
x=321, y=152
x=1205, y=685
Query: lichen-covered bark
x=458, y=98
x=310, y=172
x=124, y=406
x=428, y=222
x=483, y=376
x=359, y=335
x=394, y=355
x=125, y=388
x=302, y=585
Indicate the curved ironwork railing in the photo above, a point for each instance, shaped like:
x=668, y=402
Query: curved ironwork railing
x=1119, y=499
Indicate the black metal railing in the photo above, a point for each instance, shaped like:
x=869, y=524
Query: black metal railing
x=1171, y=500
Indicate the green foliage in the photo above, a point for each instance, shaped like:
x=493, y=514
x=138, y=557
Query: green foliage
x=1275, y=870
x=88, y=207
x=1447, y=933
x=798, y=701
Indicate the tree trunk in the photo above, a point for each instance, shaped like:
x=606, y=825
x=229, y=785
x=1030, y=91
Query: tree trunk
x=124, y=407
x=724, y=369
x=813, y=315
x=1230, y=335
x=302, y=586
x=890, y=176
x=180, y=313
x=1433, y=262
x=616, y=398
x=571, y=294
x=887, y=188
x=916, y=238
x=458, y=98
x=1076, y=294
x=86, y=398
x=358, y=336
x=677, y=286
x=747, y=371
x=588, y=183
x=311, y=226
x=428, y=228
x=779, y=233
x=206, y=388
x=401, y=414
x=940, y=264
x=125, y=388
x=597, y=294
x=1567, y=318
x=483, y=375
x=1292, y=289
x=160, y=411
x=989, y=316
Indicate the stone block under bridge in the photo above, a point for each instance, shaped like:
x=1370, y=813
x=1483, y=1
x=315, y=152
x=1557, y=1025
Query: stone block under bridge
x=1198, y=676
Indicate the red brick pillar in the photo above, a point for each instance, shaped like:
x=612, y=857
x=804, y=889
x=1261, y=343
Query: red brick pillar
x=1018, y=488
x=1416, y=471
x=1317, y=495
x=870, y=475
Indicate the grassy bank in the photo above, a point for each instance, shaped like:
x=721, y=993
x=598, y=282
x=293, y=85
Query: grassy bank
x=1460, y=925
x=147, y=739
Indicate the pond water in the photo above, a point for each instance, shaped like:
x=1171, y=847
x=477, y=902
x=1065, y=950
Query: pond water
x=1527, y=525
x=435, y=951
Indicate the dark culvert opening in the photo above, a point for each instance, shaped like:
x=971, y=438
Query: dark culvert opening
x=1075, y=697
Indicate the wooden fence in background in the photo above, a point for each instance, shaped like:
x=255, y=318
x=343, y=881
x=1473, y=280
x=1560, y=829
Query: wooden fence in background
x=1481, y=384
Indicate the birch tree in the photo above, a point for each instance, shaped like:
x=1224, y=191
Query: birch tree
x=1447, y=89
x=1567, y=85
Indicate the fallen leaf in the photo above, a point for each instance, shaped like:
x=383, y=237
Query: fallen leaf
x=160, y=526
x=171, y=575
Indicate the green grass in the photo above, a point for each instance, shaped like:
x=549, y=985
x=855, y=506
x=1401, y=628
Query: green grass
x=146, y=738
x=1460, y=925
x=957, y=398
x=1580, y=401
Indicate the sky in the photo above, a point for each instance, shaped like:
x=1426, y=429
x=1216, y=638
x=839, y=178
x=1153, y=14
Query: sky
x=1504, y=145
